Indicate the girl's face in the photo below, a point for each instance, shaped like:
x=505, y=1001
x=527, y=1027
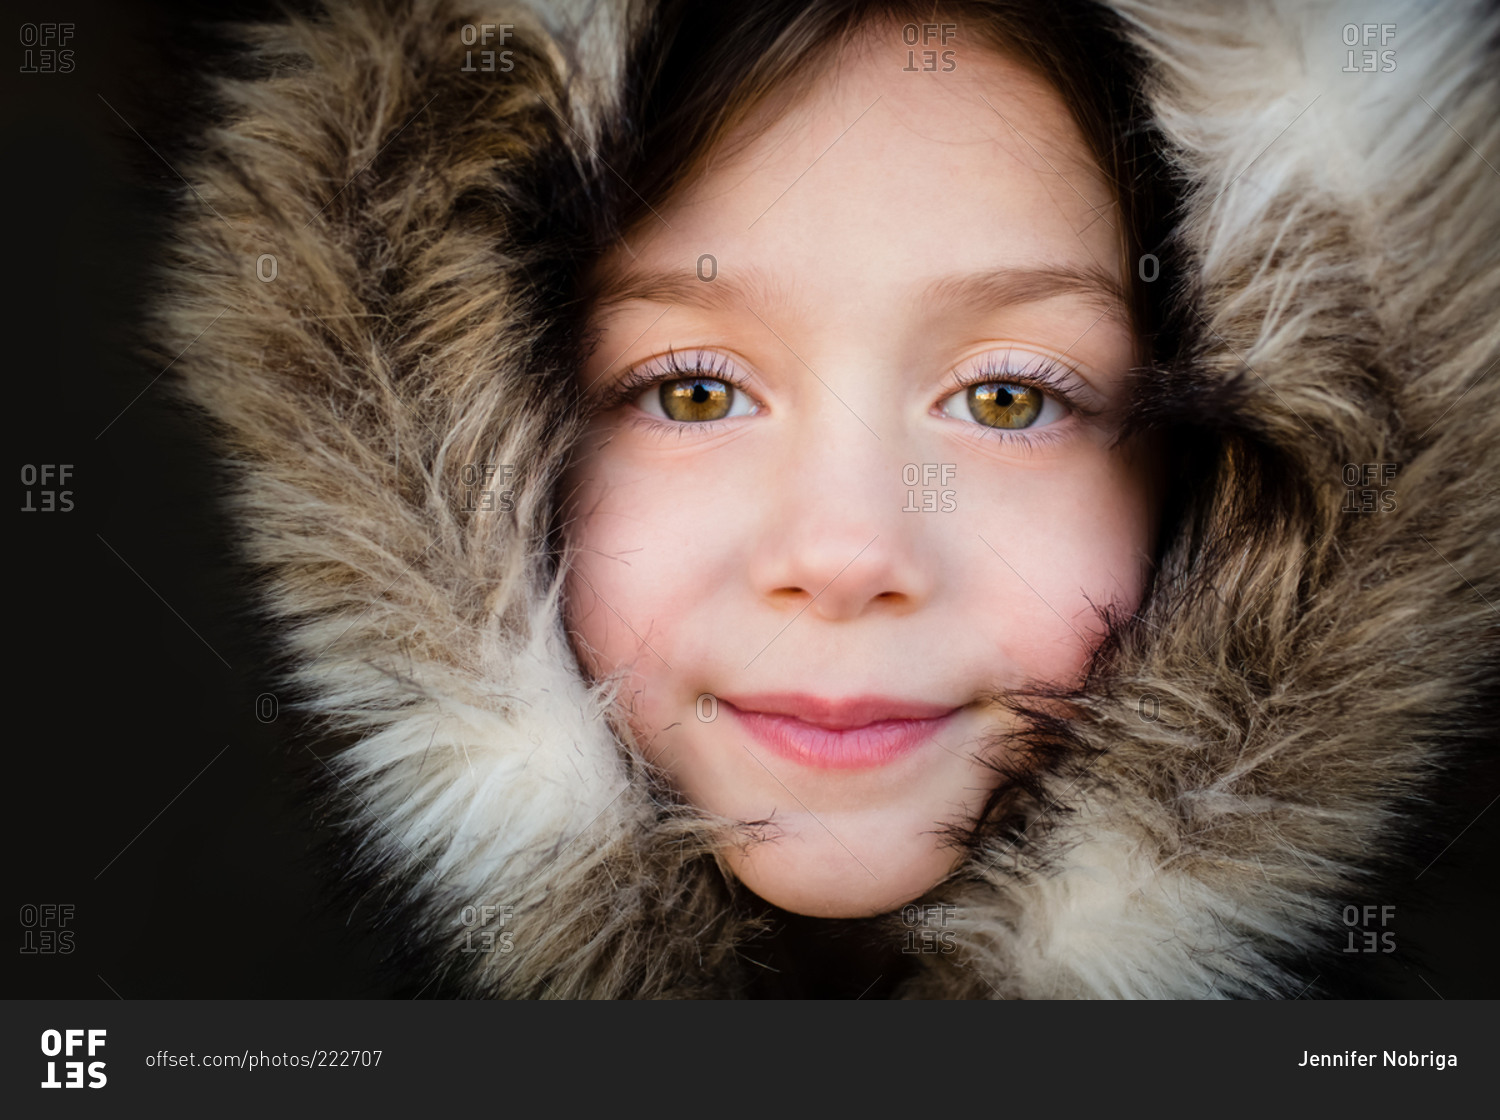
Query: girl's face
x=856, y=475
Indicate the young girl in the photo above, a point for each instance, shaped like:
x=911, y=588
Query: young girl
x=865, y=498
x=859, y=471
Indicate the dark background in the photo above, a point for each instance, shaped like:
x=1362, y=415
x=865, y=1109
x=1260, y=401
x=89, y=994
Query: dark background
x=138, y=662
x=141, y=788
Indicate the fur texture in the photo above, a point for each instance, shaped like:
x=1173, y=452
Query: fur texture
x=1245, y=746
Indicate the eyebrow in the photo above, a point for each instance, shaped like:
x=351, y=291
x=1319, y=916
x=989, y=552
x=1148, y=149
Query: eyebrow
x=980, y=291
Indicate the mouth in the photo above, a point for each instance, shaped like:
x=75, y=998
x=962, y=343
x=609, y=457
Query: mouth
x=859, y=733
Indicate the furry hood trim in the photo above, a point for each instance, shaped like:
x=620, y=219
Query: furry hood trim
x=1238, y=760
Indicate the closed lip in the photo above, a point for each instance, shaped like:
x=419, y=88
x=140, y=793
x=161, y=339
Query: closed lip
x=851, y=733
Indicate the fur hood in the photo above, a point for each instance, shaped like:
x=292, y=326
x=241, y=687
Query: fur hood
x=368, y=290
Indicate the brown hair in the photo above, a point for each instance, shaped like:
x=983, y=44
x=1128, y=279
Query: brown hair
x=698, y=69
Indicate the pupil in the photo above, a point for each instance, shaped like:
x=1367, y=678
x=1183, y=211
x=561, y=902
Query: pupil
x=700, y=392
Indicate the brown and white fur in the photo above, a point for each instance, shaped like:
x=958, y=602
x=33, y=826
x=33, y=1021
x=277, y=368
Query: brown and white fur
x=1246, y=749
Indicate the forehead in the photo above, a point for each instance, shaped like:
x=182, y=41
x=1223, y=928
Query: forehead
x=883, y=175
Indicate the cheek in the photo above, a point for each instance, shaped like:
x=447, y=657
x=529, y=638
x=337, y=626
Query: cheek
x=651, y=551
x=662, y=587
x=1061, y=548
x=672, y=591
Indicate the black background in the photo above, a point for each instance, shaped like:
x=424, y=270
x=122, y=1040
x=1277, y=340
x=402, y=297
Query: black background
x=138, y=661
x=140, y=786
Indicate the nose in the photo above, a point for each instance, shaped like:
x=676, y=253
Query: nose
x=842, y=539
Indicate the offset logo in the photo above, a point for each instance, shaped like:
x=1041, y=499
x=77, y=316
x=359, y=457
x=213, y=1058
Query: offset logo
x=1369, y=59
x=1372, y=936
x=50, y=497
x=491, y=62
x=49, y=59
x=479, y=481
x=933, y=478
x=931, y=60
x=67, y=1043
x=927, y=928
x=44, y=927
x=492, y=936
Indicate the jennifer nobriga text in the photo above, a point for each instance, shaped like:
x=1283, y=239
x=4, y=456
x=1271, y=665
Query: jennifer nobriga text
x=1410, y=1058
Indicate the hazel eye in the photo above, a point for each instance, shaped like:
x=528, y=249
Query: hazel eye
x=996, y=404
x=691, y=400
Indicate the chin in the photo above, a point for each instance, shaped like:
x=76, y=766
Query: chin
x=818, y=878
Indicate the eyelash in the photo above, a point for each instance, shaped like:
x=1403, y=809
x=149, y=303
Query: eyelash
x=670, y=368
x=1034, y=371
x=1045, y=374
